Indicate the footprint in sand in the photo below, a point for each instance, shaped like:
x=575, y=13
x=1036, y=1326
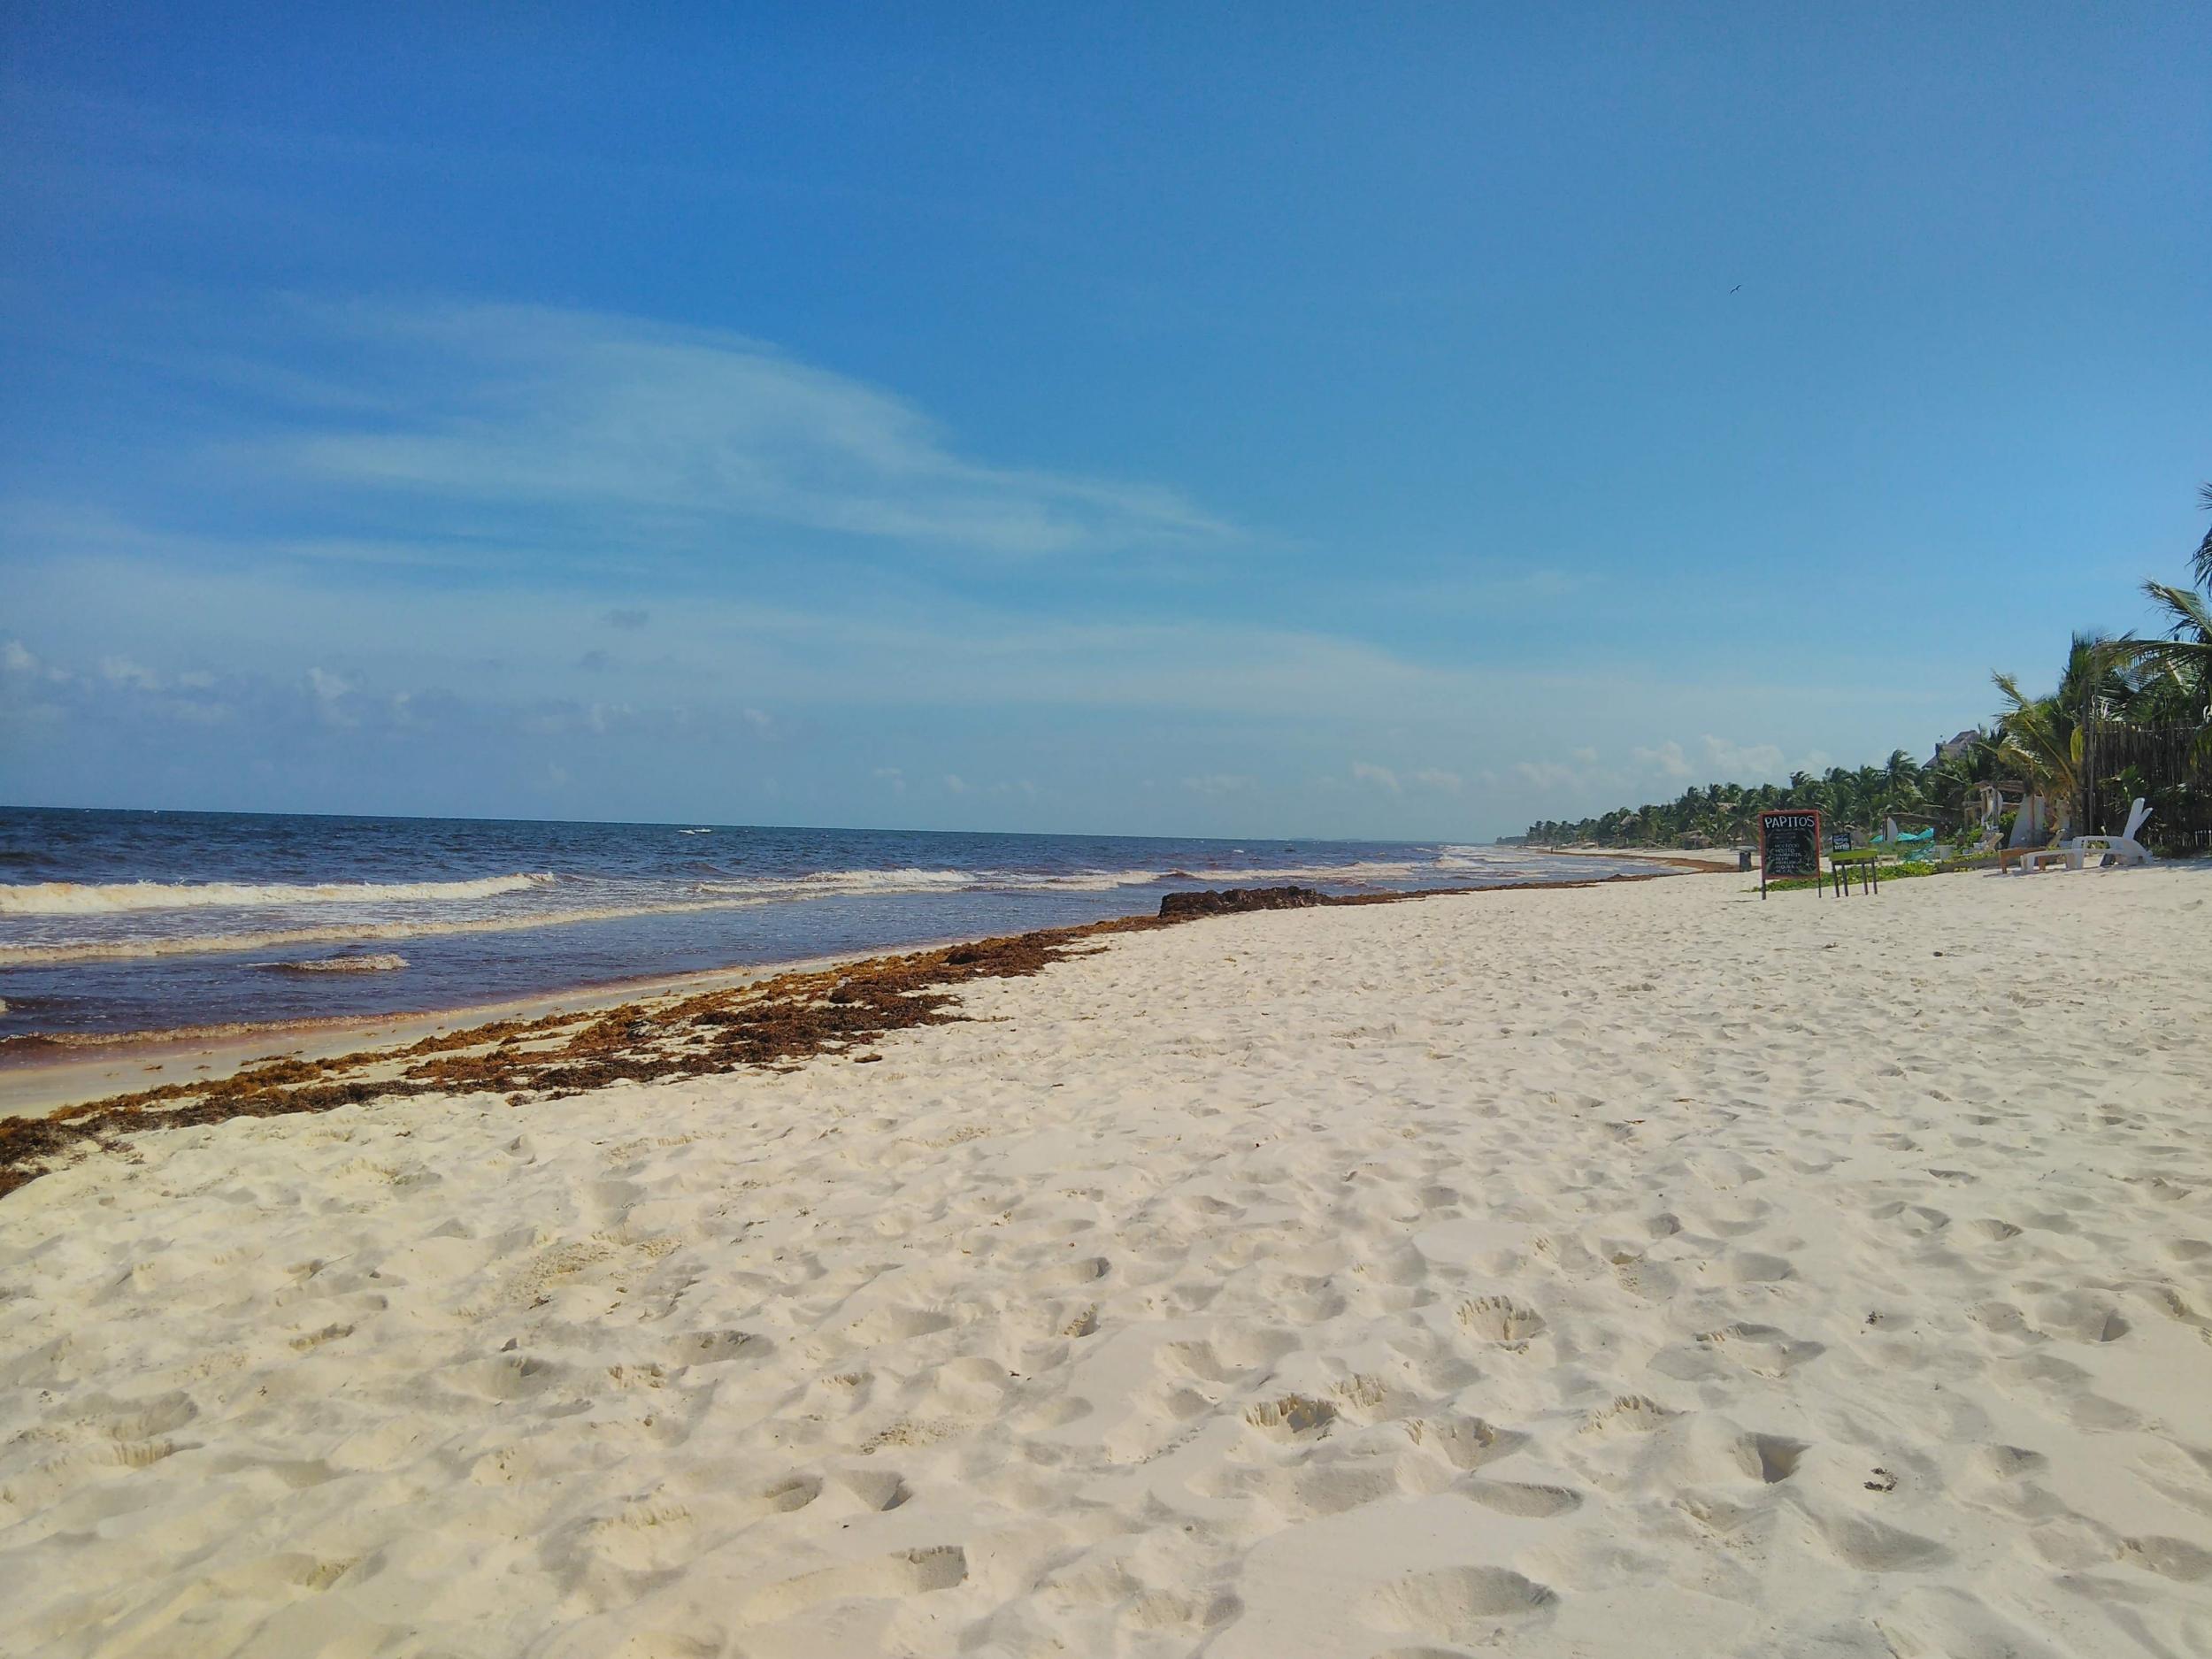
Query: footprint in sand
x=2079, y=1316
x=876, y=1490
x=1310, y=1493
x=2175, y=1306
x=1709, y=1450
x=1452, y=1604
x=1508, y=1497
x=714, y=1347
x=1754, y=1267
x=1072, y=1275
x=1465, y=1443
x=651, y=1535
x=910, y=1573
x=1194, y=1359
x=1917, y=1221
x=1629, y=1414
x=1861, y=1542
x=1293, y=1417
x=2172, y=1558
x=787, y=1493
x=273, y=1575
x=1641, y=1277
x=1500, y=1319
x=1764, y=1350
x=1927, y=1622
x=881, y=1325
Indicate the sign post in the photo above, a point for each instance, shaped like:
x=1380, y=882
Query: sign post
x=1789, y=845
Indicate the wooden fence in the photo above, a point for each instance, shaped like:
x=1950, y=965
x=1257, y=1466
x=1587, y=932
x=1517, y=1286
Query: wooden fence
x=2170, y=765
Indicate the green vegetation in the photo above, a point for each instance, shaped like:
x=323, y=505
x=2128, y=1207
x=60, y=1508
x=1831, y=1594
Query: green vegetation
x=2128, y=717
x=1942, y=795
x=1887, y=872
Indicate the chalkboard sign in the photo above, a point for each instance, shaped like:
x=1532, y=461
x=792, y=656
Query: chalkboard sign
x=1789, y=845
x=1840, y=841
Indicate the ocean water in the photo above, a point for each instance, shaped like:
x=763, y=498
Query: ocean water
x=113, y=922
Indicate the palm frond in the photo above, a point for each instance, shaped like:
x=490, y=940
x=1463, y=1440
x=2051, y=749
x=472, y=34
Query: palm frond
x=2202, y=563
x=2187, y=612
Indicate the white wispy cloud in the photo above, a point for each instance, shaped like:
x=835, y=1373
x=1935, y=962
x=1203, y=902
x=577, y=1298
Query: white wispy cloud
x=334, y=694
x=1741, y=762
x=1549, y=776
x=121, y=670
x=1725, y=761
x=1667, y=760
x=635, y=421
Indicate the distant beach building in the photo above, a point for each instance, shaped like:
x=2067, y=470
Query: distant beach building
x=1957, y=746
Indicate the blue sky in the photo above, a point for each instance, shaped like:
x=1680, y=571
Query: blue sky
x=1406, y=422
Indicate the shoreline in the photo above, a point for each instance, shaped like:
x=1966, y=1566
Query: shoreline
x=42, y=1072
x=50, y=1106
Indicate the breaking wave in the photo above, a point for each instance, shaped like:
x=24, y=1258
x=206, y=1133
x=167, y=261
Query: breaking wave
x=828, y=883
x=385, y=962
x=277, y=938
x=1455, y=861
x=110, y=898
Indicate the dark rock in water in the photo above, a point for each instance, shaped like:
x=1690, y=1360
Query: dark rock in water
x=1181, y=906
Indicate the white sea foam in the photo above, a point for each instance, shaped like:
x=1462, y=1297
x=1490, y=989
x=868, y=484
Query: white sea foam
x=909, y=880
x=880, y=883
x=386, y=962
x=1091, y=880
x=208, y=944
x=897, y=880
x=1362, y=872
x=108, y=898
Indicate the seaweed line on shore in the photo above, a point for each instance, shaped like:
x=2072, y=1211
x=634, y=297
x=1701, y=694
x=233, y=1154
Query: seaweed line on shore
x=766, y=1023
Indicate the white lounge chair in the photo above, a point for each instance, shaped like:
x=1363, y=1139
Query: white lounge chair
x=2123, y=850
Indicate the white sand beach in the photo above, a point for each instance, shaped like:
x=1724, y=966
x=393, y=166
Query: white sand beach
x=1639, y=1269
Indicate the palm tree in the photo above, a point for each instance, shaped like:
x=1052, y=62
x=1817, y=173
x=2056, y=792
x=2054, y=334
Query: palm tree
x=2173, y=675
x=2181, y=664
x=2043, y=736
x=1947, y=785
x=2039, y=737
x=1900, y=777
